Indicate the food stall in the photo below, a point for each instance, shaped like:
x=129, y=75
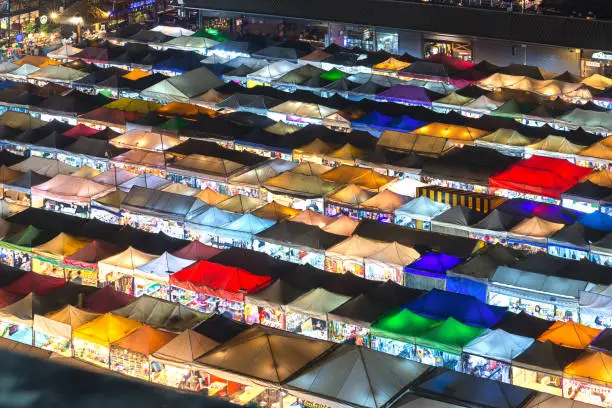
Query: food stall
x=210, y=287
x=442, y=346
x=92, y=341
x=531, y=234
x=267, y=307
x=308, y=314
x=297, y=190
x=16, y=249
x=130, y=354
x=16, y=319
x=151, y=279
x=53, y=331
x=47, y=258
x=82, y=266
x=540, y=367
x=346, y=201
x=588, y=379
x=382, y=206
x=350, y=255
x=118, y=270
x=419, y=212
x=490, y=354
x=18, y=191
x=173, y=365
x=389, y=263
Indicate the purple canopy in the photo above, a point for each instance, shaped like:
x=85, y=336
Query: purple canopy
x=411, y=94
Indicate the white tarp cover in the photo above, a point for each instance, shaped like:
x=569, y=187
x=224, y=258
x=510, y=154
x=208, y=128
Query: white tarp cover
x=272, y=71
x=192, y=43
x=57, y=73
x=317, y=303
x=498, y=345
x=536, y=282
x=44, y=167
x=163, y=266
x=181, y=88
x=423, y=208
x=63, y=52
x=172, y=31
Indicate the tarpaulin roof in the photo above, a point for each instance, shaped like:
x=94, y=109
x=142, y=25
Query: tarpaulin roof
x=440, y=305
x=185, y=348
x=423, y=207
x=219, y=280
x=273, y=71
x=356, y=247
x=57, y=73
x=61, y=246
x=540, y=175
x=145, y=340
x=107, y=299
x=211, y=197
x=546, y=357
x=139, y=139
x=212, y=217
x=536, y=227
x=317, y=303
x=352, y=195
x=549, y=212
x=89, y=255
x=162, y=267
x=63, y=321
x=113, y=177
x=506, y=137
x=245, y=226
x=419, y=144
x=435, y=262
x=497, y=221
x=37, y=61
x=498, y=345
x=523, y=324
x=468, y=390
x=143, y=158
x=300, y=184
x=598, y=81
x=404, y=326
x=588, y=119
x=601, y=149
x=68, y=188
x=556, y=144
x=570, y=334
x=106, y=116
x=308, y=110
x=191, y=43
x=240, y=204
x=197, y=251
x=249, y=355
x=359, y=376
x=450, y=336
x=183, y=87
x=408, y=94
x=129, y=259
x=19, y=120
x=342, y=225
x=459, y=215
x=106, y=329
x=173, y=31
x=28, y=238
x=452, y=132
x=300, y=235
x=594, y=365
x=160, y=203
x=366, y=178
x=391, y=64
x=277, y=295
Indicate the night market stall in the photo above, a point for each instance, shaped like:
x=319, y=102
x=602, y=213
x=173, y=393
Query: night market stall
x=53, y=331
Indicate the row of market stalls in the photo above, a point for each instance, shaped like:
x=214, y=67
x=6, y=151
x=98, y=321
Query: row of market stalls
x=456, y=332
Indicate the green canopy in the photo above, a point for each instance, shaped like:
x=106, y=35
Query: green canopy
x=513, y=109
x=404, y=326
x=333, y=74
x=27, y=239
x=451, y=336
x=211, y=34
x=175, y=123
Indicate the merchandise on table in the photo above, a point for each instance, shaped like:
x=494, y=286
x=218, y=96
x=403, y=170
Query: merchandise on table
x=118, y=270
x=53, y=332
x=48, y=258
x=82, y=266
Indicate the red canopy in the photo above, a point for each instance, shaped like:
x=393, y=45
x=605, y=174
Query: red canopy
x=88, y=256
x=106, y=300
x=8, y=298
x=79, y=131
x=34, y=283
x=540, y=176
x=456, y=63
x=227, y=282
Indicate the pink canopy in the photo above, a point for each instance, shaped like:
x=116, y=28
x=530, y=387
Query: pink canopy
x=72, y=189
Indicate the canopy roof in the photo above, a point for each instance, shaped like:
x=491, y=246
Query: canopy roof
x=498, y=345
x=536, y=227
x=594, y=365
x=183, y=87
x=191, y=43
x=72, y=316
x=317, y=303
x=419, y=144
x=160, y=203
x=106, y=329
x=57, y=73
x=546, y=357
x=356, y=246
x=145, y=340
x=172, y=31
x=276, y=212
x=300, y=235
x=273, y=71
x=69, y=188
x=185, y=348
x=404, y=326
x=359, y=376
x=211, y=197
x=107, y=299
x=588, y=119
x=540, y=176
x=598, y=81
x=163, y=266
x=523, y=324
x=277, y=295
x=247, y=225
x=440, y=305
x=61, y=246
x=366, y=178
x=459, y=215
x=342, y=225
x=212, y=217
x=453, y=132
x=352, y=195
x=133, y=105
x=600, y=150
x=20, y=120
x=570, y=334
x=28, y=238
x=139, y=139
x=391, y=64
x=217, y=280
x=197, y=251
x=89, y=255
x=304, y=109
x=423, y=207
x=252, y=353
x=240, y=204
x=556, y=144
x=300, y=184
x=310, y=217
x=450, y=336
x=131, y=258
x=435, y=262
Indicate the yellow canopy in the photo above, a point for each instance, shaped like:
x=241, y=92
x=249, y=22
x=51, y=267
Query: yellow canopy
x=411, y=142
x=86, y=172
x=352, y=195
x=275, y=211
x=20, y=120
x=385, y=201
x=342, y=225
x=454, y=99
x=182, y=189
x=282, y=128
x=363, y=177
x=507, y=137
x=133, y=105
x=599, y=150
x=136, y=74
x=106, y=329
x=310, y=169
x=536, y=227
x=290, y=182
x=211, y=197
x=304, y=109
x=598, y=82
x=595, y=365
x=7, y=174
x=347, y=154
x=315, y=148
x=37, y=61
x=131, y=258
x=240, y=204
x=498, y=80
x=452, y=132
x=60, y=247
x=392, y=64
x=184, y=110
x=601, y=178
x=556, y=144
x=140, y=139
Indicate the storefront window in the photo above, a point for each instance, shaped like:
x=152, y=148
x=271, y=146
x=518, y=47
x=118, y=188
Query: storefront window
x=598, y=62
x=456, y=49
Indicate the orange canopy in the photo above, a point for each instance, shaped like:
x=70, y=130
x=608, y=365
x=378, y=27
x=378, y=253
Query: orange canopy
x=136, y=74
x=145, y=340
x=595, y=365
x=570, y=334
x=184, y=110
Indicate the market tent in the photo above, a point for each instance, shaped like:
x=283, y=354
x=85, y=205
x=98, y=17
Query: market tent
x=588, y=119
x=301, y=74
x=592, y=365
x=272, y=72
x=459, y=134
x=211, y=218
x=455, y=219
x=554, y=144
x=354, y=247
x=299, y=184
x=356, y=376
x=211, y=197
x=276, y=212
x=310, y=217
x=106, y=329
x=540, y=176
x=219, y=280
x=245, y=227
x=342, y=225
x=22, y=72
x=195, y=165
x=498, y=345
x=247, y=357
x=523, y=324
x=411, y=142
x=172, y=31
x=391, y=64
x=62, y=322
x=34, y=283
x=114, y=177
x=482, y=104
x=191, y=43
x=185, y=348
x=300, y=235
x=86, y=172
x=183, y=87
x=144, y=181
x=161, y=204
x=139, y=139
x=303, y=109
x=404, y=326
x=366, y=178
x=196, y=251
x=408, y=94
x=133, y=105
x=598, y=81
x=422, y=208
x=181, y=189
x=453, y=99
x=497, y=221
x=317, y=303
x=258, y=175
x=504, y=137
x=241, y=204
x=546, y=357
x=536, y=227
x=362, y=311
x=570, y=334
x=20, y=120
x=352, y=195
x=61, y=246
x=259, y=104
x=162, y=267
x=70, y=189
x=106, y=299
x=467, y=309
x=127, y=260
x=57, y=73
x=347, y=154
x=144, y=341
x=468, y=390
x=451, y=336
x=600, y=150
x=108, y=117
x=277, y=295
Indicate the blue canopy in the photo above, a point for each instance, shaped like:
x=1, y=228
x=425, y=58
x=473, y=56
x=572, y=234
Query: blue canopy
x=433, y=264
x=406, y=124
x=212, y=218
x=597, y=220
x=467, y=309
x=548, y=212
x=374, y=120
x=180, y=65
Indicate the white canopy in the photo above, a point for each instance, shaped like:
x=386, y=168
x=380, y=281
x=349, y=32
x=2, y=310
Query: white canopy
x=498, y=345
x=163, y=266
x=172, y=31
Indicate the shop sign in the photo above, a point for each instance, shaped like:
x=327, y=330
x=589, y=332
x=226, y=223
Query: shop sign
x=602, y=56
